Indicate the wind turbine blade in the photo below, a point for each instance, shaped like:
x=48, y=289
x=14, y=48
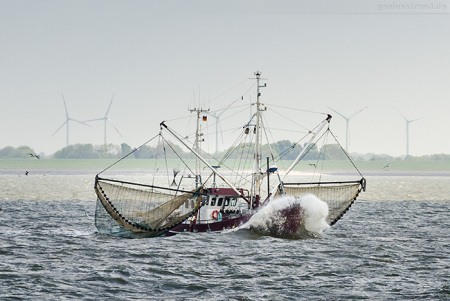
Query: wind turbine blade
x=416, y=119
x=223, y=110
x=103, y=118
x=110, y=103
x=351, y=116
x=400, y=114
x=114, y=127
x=65, y=107
x=80, y=122
x=60, y=127
x=338, y=113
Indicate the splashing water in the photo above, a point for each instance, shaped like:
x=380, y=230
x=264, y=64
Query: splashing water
x=291, y=217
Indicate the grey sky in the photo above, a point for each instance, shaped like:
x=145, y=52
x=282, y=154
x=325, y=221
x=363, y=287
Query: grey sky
x=154, y=54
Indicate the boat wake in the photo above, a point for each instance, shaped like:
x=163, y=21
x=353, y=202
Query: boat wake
x=290, y=217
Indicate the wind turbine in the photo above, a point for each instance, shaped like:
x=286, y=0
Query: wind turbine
x=106, y=120
x=66, y=123
x=407, y=129
x=217, y=117
x=347, y=121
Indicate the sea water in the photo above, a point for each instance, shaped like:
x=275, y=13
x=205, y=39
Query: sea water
x=393, y=244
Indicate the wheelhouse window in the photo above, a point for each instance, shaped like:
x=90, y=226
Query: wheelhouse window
x=227, y=202
x=233, y=201
x=213, y=202
x=219, y=203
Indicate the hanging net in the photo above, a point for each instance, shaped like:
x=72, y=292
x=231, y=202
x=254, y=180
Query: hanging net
x=338, y=195
x=124, y=207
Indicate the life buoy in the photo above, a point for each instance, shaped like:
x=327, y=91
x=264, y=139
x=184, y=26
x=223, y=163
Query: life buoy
x=215, y=214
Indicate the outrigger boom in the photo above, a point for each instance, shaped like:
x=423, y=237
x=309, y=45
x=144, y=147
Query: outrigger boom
x=204, y=161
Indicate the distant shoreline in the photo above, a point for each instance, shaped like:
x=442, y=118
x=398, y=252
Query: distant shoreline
x=142, y=166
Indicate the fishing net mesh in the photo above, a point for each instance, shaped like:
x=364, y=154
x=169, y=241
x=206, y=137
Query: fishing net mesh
x=142, y=209
x=339, y=197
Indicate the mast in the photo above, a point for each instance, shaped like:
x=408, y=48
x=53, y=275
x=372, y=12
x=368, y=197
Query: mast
x=258, y=134
x=198, y=139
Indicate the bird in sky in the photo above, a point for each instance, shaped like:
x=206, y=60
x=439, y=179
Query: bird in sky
x=33, y=155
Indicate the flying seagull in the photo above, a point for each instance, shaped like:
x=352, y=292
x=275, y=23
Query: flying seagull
x=33, y=155
x=175, y=172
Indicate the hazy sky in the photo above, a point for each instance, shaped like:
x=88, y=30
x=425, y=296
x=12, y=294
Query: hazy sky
x=154, y=55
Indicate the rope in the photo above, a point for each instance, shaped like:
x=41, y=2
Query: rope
x=290, y=119
x=254, y=83
x=185, y=164
x=134, y=150
x=296, y=109
x=345, y=153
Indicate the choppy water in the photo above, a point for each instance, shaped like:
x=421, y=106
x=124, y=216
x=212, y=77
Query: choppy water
x=393, y=244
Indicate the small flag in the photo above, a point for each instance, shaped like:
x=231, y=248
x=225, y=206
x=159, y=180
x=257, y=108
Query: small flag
x=205, y=118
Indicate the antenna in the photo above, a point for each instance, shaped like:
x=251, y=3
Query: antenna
x=408, y=121
x=66, y=123
x=198, y=140
x=347, y=122
x=106, y=119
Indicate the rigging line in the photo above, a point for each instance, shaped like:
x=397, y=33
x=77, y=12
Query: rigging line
x=230, y=105
x=178, y=118
x=227, y=155
x=157, y=156
x=345, y=153
x=165, y=159
x=250, y=153
x=232, y=148
x=238, y=176
x=232, y=115
x=310, y=145
x=284, y=130
x=311, y=132
x=234, y=107
x=293, y=145
x=267, y=138
x=310, y=148
x=132, y=151
x=213, y=124
x=296, y=109
x=254, y=83
x=185, y=164
x=322, y=153
x=222, y=161
x=290, y=120
x=277, y=158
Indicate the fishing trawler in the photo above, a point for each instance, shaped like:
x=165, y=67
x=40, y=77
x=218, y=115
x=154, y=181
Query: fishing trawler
x=214, y=194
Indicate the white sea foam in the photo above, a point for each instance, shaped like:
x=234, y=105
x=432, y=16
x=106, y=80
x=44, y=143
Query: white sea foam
x=289, y=216
x=316, y=212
